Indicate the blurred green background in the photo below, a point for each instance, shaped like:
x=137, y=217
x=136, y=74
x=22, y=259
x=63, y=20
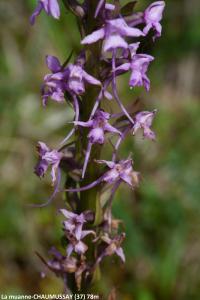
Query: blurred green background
x=162, y=219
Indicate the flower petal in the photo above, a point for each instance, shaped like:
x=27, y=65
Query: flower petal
x=84, y=124
x=111, y=129
x=78, y=231
x=90, y=79
x=53, y=63
x=127, y=178
x=68, y=214
x=86, y=232
x=114, y=41
x=121, y=27
x=80, y=247
x=93, y=37
x=54, y=9
x=36, y=13
x=124, y=67
x=119, y=251
x=110, y=164
x=69, y=249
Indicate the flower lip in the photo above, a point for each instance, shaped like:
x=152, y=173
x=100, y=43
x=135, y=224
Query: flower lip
x=96, y=135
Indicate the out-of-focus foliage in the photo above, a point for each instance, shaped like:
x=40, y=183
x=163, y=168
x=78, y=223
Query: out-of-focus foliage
x=162, y=217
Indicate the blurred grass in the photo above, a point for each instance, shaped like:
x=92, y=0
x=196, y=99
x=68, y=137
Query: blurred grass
x=162, y=218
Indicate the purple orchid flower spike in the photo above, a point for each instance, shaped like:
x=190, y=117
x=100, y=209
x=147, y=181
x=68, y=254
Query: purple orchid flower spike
x=144, y=120
x=120, y=40
x=113, y=33
x=74, y=223
x=75, y=244
x=98, y=127
x=153, y=16
x=51, y=7
x=47, y=158
x=138, y=67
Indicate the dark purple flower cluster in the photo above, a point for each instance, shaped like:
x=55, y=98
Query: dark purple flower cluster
x=120, y=42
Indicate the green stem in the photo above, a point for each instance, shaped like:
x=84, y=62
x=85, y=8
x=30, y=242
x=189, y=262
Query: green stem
x=90, y=197
x=89, y=200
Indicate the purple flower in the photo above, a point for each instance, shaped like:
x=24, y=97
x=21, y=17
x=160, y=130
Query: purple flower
x=62, y=265
x=74, y=223
x=114, y=246
x=152, y=17
x=113, y=34
x=73, y=228
x=76, y=244
x=47, y=158
x=54, y=84
x=51, y=7
x=144, y=120
x=71, y=79
x=138, y=67
x=77, y=78
x=121, y=171
x=59, y=264
x=98, y=127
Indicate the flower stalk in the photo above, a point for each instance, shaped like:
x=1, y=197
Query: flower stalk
x=111, y=43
